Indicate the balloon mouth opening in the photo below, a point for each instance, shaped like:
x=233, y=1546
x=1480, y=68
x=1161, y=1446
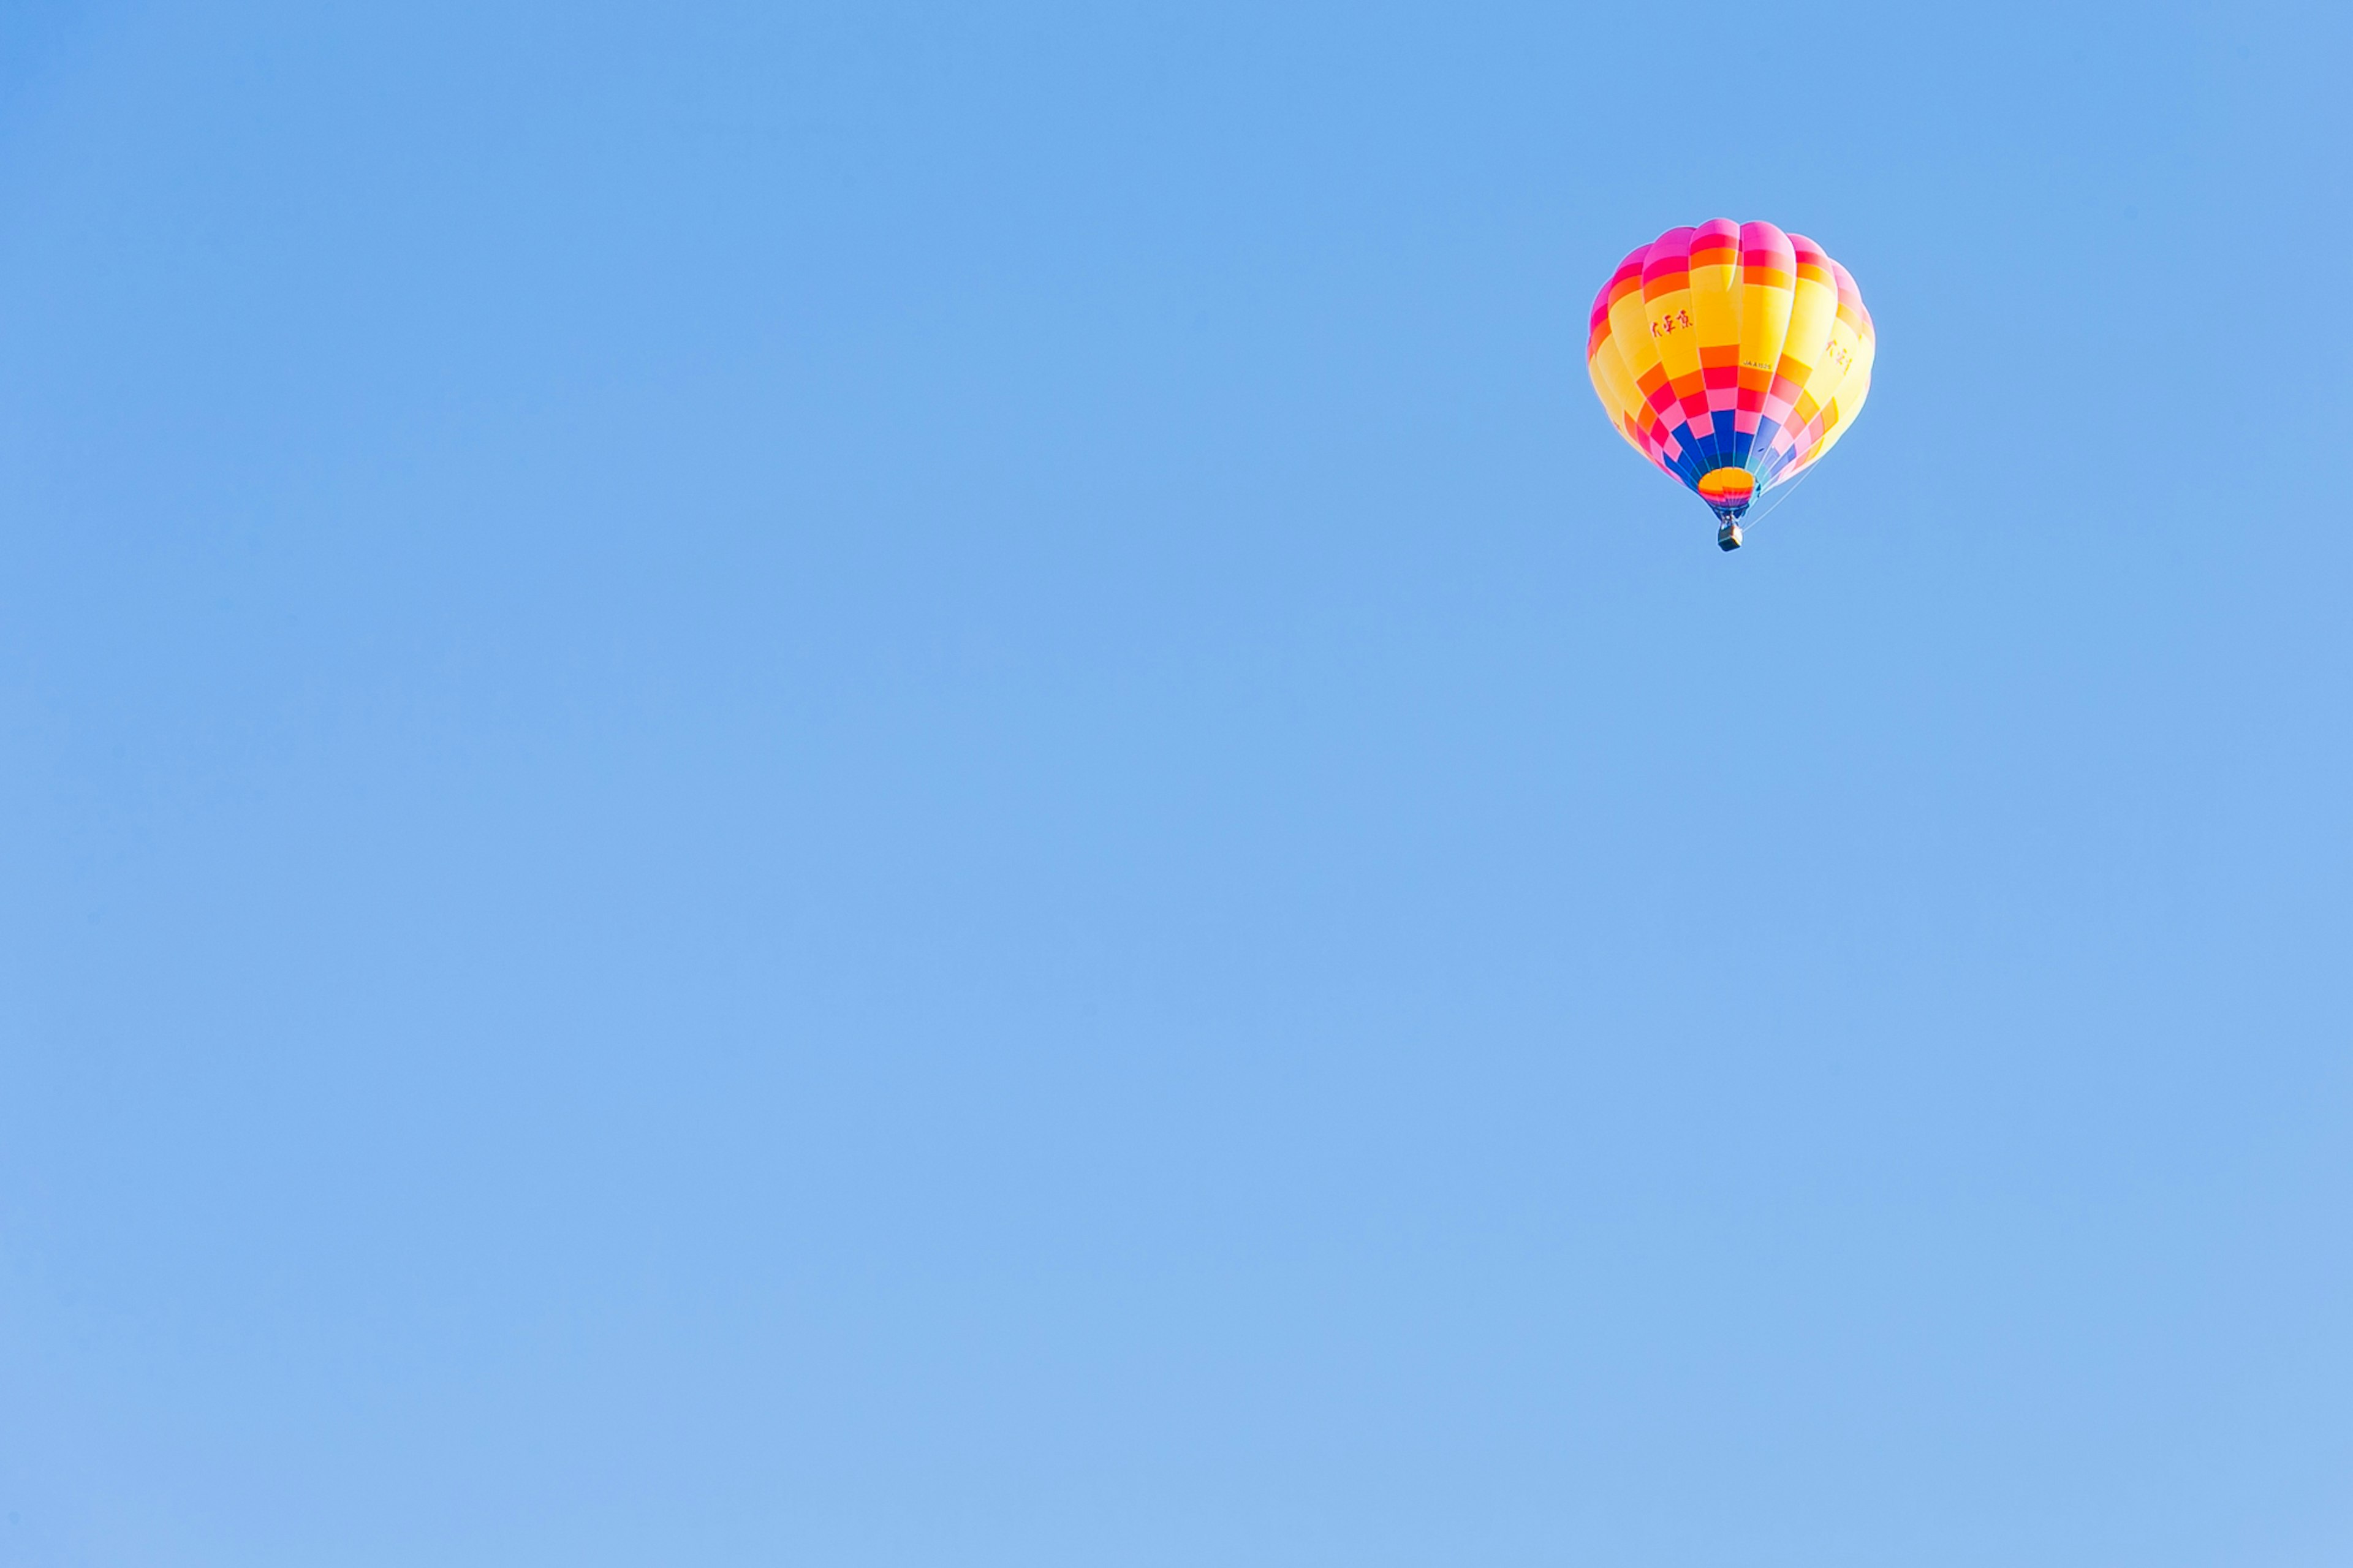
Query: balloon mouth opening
x=1728, y=490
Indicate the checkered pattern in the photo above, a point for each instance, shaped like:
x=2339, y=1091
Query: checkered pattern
x=1732, y=356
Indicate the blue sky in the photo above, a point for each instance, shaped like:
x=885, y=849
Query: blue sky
x=869, y=785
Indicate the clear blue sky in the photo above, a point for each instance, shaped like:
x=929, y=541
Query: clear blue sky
x=871, y=786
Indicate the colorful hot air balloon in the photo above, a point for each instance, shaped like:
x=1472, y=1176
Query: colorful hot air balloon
x=1732, y=356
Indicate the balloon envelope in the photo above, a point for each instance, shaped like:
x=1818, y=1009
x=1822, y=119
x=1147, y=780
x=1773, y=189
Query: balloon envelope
x=1731, y=356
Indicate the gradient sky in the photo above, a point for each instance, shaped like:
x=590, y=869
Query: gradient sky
x=879, y=786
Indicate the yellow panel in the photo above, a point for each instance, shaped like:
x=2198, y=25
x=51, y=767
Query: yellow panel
x=1837, y=414
x=1845, y=362
x=1629, y=334
x=1617, y=390
x=1667, y=311
x=1768, y=288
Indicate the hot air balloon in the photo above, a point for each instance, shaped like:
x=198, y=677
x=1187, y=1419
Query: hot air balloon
x=1732, y=356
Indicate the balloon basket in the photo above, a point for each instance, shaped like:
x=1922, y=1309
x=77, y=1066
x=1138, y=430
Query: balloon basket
x=1727, y=537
